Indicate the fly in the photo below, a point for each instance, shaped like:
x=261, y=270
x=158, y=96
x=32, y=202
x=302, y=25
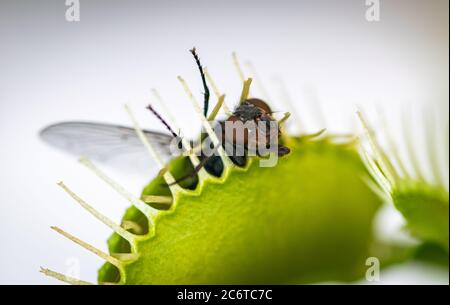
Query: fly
x=115, y=144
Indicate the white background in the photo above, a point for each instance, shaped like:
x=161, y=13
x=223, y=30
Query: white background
x=53, y=70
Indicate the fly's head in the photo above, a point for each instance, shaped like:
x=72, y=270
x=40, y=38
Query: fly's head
x=264, y=126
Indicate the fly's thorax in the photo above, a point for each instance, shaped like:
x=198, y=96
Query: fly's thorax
x=259, y=104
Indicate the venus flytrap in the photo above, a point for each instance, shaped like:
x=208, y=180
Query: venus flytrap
x=307, y=219
x=297, y=230
x=64, y=278
x=292, y=223
x=423, y=202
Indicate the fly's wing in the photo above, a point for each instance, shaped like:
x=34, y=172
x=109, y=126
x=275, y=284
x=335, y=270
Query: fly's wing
x=115, y=145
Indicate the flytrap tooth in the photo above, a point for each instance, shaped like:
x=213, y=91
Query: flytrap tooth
x=286, y=116
x=392, y=147
x=166, y=110
x=313, y=135
x=157, y=199
x=148, y=211
x=216, y=109
x=245, y=90
x=246, y=82
x=443, y=127
x=170, y=180
x=410, y=148
x=346, y=140
x=216, y=142
x=259, y=82
x=88, y=247
x=377, y=189
x=266, y=95
x=389, y=167
x=281, y=125
x=133, y=226
x=316, y=105
x=186, y=145
x=289, y=105
x=237, y=66
x=380, y=157
x=375, y=171
x=433, y=145
x=402, y=167
x=126, y=257
x=387, y=161
x=64, y=278
x=216, y=91
x=118, y=229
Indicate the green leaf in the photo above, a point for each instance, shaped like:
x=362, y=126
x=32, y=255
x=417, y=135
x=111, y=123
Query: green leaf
x=307, y=219
x=425, y=208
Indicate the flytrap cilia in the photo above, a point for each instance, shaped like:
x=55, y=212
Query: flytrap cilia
x=250, y=130
x=247, y=225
